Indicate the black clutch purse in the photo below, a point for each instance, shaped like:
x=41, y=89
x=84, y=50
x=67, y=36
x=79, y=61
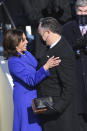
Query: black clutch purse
x=41, y=105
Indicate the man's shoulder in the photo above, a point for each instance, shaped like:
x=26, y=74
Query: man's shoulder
x=65, y=45
x=63, y=40
x=70, y=24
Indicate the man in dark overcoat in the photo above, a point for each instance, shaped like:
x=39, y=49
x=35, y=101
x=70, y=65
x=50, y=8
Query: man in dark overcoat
x=61, y=84
x=75, y=33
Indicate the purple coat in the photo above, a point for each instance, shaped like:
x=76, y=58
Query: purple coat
x=25, y=77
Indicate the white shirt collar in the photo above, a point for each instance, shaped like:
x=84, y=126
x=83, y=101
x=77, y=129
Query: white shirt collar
x=55, y=43
x=82, y=27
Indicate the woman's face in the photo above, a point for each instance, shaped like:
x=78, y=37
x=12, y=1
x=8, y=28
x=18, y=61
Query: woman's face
x=22, y=45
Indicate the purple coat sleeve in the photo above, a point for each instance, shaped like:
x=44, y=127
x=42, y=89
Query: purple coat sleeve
x=27, y=74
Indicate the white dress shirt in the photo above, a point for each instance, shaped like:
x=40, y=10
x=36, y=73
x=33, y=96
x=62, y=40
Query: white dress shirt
x=82, y=27
x=55, y=43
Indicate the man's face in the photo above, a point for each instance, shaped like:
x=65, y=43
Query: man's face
x=44, y=33
x=41, y=32
x=82, y=10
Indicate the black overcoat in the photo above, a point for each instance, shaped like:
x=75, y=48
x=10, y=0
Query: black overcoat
x=61, y=86
x=72, y=34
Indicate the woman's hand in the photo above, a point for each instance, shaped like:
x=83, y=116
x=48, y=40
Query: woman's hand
x=52, y=62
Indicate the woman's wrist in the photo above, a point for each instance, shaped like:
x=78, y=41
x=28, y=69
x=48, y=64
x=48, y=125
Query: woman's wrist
x=45, y=67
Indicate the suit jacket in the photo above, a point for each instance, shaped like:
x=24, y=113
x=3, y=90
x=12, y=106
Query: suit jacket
x=61, y=86
x=72, y=34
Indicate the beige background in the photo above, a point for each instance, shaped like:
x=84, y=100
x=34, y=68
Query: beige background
x=6, y=103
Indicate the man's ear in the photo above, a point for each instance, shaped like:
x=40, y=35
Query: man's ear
x=17, y=48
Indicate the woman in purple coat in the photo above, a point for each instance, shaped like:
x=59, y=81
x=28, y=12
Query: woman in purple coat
x=23, y=69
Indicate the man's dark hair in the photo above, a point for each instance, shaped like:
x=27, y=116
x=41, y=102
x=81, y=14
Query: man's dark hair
x=11, y=39
x=50, y=23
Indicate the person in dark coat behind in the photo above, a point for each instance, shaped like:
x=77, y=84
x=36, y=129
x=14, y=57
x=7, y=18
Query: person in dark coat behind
x=77, y=38
x=34, y=10
x=61, y=84
x=62, y=10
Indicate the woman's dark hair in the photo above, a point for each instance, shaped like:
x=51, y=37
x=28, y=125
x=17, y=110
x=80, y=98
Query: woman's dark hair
x=11, y=39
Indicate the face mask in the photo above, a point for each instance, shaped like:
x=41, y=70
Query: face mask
x=81, y=19
x=40, y=37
